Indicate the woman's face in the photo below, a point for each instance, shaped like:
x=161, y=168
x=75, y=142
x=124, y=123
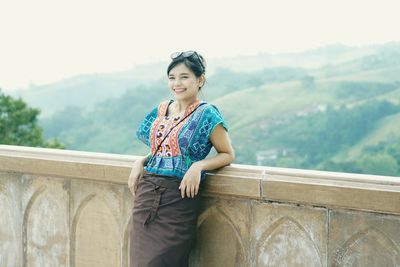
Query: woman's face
x=183, y=83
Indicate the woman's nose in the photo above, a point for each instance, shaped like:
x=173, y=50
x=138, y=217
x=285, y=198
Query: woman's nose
x=177, y=81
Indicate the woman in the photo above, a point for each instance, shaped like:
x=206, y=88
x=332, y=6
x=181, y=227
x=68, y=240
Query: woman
x=166, y=183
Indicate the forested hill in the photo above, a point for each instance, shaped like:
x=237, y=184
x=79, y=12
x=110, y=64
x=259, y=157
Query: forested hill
x=335, y=109
x=86, y=90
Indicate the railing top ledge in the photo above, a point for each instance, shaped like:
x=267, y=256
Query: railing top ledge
x=356, y=191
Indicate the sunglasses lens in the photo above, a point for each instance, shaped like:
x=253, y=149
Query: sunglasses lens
x=188, y=53
x=175, y=55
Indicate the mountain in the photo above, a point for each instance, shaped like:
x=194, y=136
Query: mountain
x=87, y=89
x=326, y=108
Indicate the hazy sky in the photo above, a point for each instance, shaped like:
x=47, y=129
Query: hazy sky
x=47, y=40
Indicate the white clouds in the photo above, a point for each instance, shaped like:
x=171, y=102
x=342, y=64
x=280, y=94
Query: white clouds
x=47, y=40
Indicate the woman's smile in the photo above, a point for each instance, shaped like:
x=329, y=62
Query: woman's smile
x=179, y=90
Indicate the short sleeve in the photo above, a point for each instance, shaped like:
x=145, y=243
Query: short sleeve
x=143, y=132
x=212, y=117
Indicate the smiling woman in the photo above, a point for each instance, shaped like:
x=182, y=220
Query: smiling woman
x=166, y=183
x=185, y=84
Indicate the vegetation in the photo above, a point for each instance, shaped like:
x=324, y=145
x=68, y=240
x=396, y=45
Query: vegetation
x=337, y=110
x=19, y=124
x=110, y=125
x=320, y=136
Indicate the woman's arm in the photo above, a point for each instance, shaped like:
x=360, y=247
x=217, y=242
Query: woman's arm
x=143, y=160
x=221, y=142
x=137, y=172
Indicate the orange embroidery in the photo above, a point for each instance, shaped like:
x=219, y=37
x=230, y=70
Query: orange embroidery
x=162, y=125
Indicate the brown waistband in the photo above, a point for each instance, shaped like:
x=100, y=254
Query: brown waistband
x=166, y=181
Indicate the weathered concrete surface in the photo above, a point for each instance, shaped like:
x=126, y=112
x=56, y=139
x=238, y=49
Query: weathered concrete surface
x=69, y=208
x=45, y=221
x=223, y=234
x=10, y=220
x=285, y=235
x=364, y=239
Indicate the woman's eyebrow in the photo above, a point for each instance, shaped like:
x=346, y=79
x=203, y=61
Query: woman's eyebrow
x=183, y=73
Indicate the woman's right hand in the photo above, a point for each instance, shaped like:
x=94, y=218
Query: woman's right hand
x=135, y=176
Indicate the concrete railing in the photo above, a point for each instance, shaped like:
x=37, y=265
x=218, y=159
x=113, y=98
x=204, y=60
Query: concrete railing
x=72, y=208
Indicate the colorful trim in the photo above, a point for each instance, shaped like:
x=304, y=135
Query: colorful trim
x=162, y=125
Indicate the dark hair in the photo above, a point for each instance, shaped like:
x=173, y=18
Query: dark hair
x=192, y=62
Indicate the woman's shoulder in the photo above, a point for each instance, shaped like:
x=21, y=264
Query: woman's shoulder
x=163, y=103
x=161, y=107
x=209, y=108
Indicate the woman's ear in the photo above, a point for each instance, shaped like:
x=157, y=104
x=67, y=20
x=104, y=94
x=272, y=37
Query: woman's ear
x=202, y=80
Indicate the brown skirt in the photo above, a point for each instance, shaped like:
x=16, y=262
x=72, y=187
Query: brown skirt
x=164, y=223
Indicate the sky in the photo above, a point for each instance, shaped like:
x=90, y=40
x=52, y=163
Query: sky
x=43, y=41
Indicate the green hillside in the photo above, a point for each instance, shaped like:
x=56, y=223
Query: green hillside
x=383, y=74
x=385, y=129
x=276, y=100
x=321, y=116
x=86, y=90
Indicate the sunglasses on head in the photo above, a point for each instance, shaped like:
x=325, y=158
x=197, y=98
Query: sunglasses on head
x=187, y=54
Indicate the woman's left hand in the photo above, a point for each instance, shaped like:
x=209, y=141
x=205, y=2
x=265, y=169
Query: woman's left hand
x=191, y=182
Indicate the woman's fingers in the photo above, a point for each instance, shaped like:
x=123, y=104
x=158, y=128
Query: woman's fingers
x=133, y=182
x=183, y=188
x=189, y=187
x=130, y=184
x=132, y=189
x=192, y=191
x=188, y=190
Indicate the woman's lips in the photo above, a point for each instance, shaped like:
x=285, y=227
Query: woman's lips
x=179, y=90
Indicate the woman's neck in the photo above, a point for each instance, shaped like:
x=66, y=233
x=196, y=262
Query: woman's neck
x=181, y=105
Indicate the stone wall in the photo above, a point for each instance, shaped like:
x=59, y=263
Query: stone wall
x=72, y=208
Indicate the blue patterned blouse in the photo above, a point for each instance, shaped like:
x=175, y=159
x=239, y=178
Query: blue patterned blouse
x=188, y=141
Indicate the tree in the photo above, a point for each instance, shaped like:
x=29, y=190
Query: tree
x=381, y=164
x=308, y=82
x=19, y=124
